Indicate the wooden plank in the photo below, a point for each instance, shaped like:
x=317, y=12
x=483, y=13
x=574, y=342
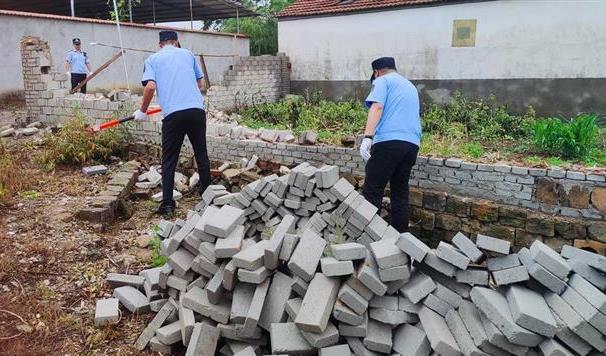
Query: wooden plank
x=206, y=79
x=96, y=72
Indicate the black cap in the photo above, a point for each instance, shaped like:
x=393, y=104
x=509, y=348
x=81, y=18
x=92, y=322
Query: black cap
x=168, y=35
x=384, y=62
x=76, y=40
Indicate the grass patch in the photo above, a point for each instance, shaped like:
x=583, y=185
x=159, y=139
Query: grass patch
x=13, y=175
x=74, y=145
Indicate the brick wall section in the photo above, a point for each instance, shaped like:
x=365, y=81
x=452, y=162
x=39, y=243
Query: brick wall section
x=251, y=80
x=438, y=216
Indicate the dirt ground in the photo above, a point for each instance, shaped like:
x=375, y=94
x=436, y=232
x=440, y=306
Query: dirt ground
x=53, y=266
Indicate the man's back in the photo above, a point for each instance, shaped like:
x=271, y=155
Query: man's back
x=400, y=99
x=175, y=71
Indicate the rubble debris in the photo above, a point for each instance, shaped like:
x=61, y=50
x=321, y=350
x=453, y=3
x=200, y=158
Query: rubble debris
x=269, y=270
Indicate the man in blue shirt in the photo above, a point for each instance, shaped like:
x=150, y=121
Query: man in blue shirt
x=77, y=65
x=176, y=76
x=391, y=139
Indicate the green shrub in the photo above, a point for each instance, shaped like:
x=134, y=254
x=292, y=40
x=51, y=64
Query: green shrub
x=576, y=138
x=473, y=150
x=479, y=119
x=73, y=144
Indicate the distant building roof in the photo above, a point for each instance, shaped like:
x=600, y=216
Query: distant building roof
x=302, y=8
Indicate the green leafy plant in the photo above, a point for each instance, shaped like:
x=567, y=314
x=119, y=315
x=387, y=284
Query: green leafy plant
x=158, y=260
x=473, y=150
x=73, y=144
x=576, y=138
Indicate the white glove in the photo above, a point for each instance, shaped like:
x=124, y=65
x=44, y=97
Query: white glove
x=140, y=115
x=365, y=149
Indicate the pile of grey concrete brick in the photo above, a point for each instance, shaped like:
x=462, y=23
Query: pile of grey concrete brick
x=303, y=264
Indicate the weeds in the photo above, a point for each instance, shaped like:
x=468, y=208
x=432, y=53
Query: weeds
x=158, y=260
x=13, y=176
x=577, y=138
x=73, y=144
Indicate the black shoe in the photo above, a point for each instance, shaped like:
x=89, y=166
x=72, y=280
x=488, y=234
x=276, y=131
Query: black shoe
x=167, y=210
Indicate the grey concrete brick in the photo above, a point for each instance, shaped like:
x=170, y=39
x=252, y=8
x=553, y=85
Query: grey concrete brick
x=107, y=311
x=288, y=247
x=529, y=310
x=299, y=286
x=447, y=295
x=438, y=334
x=287, y=339
x=292, y=307
x=341, y=189
x=467, y=247
x=550, y=347
x=359, y=287
x=257, y=276
x=452, y=255
x=329, y=337
x=250, y=258
x=473, y=277
x=389, y=302
x=376, y=228
x=573, y=341
x=186, y=323
x=575, y=175
x=491, y=244
x=549, y=259
x=224, y=222
x=230, y=245
x=207, y=250
x=307, y=254
x=378, y=337
x=352, y=299
x=181, y=261
x=317, y=304
x=436, y=304
x=391, y=317
x=574, y=321
x=346, y=315
x=438, y=264
x=498, y=339
x=273, y=247
x=397, y=273
x=349, y=251
x=116, y=280
x=174, y=242
x=502, y=262
x=473, y=323
x=156, y=305
x=254, y=311
x=585, y=309
x=510, y=275
x=358, y=347
x=449, y=282
x=196, y=299
x=132, y=299
x=337, y=350
x=247, y=351
x=331, y=267
x=580, y=266
x=275, y=301
x=368, y=275
x=495, y=307
x=241, y=299
x=419, y=287
x=409, y=340
x=592, y=294
x=540, y=274
x=461, y=335
x=387, y=254
x=229, y=276
x=406, y=305
x=155, y=345
x=203, y=341
x=169, y=334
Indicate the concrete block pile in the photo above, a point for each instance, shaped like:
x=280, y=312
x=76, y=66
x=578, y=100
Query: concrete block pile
x=302, y=264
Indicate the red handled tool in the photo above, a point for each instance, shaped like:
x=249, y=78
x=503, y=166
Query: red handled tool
x=116, y=122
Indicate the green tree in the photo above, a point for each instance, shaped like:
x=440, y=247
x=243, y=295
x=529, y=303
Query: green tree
x=122, y=8
x=263, y=29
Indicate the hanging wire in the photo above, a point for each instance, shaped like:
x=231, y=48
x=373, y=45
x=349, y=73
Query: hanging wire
x=117, y=13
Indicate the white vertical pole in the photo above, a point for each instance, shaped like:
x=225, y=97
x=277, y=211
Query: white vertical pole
x=191, y=14
x=121, y=44
x=130, y=10
x=73, y=7
x=154, y=11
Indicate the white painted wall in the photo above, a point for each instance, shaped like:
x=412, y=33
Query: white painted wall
x=59, y=33
x=514, y=39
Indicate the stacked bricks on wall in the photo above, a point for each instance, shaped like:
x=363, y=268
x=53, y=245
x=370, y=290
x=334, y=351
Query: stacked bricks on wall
x=301, y=264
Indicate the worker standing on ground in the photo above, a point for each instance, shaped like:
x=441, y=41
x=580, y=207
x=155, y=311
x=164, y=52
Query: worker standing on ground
x=77, y=65
x=391, y=139
x=176, y=76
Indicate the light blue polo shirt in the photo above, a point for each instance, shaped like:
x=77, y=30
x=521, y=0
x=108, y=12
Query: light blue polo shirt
x=400, y=99
x=175, y=71
x=77, y=61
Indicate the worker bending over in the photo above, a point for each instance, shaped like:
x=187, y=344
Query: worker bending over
x=391, y=139
x=176, y=76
